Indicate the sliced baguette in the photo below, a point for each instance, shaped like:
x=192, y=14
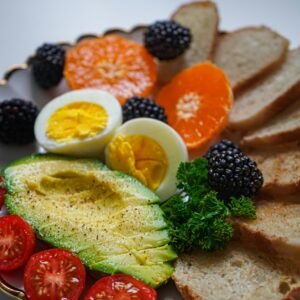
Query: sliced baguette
x=280, y=167
x=276, y=230
x=285, y=127
x=268, y=96
x=248, y=53
x=202, y=19
x=235, y=273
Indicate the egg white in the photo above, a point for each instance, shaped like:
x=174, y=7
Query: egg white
x=170, y=141
x=92, y=146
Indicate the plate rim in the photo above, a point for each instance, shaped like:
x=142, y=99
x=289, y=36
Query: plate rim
x=4, y=80
x=9, y=290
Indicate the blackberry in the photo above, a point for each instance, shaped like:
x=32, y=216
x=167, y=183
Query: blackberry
x=139, y=107
x=167, y=40
x=17, y=119
x=48, y=65
x=233, y=174
x=220, y=147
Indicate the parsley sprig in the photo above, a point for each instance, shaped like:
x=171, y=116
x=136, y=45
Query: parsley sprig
x=197, y=218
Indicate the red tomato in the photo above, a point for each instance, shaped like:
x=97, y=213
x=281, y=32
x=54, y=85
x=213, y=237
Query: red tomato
x=2, y=192
x=54, y=274
x=17, y=242
x=120, y=287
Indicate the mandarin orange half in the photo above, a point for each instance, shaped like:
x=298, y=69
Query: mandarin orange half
x=111, y=63
x=197, y=102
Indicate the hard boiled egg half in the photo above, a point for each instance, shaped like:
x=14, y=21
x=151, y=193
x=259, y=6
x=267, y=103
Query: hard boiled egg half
x=150, y=151
x=78, y=123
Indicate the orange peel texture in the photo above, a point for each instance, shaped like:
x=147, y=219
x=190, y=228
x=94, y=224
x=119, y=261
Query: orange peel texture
x=112, y=63
x=197, y=102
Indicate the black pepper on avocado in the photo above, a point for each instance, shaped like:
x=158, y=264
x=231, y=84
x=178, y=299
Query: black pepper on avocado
x=110, y=220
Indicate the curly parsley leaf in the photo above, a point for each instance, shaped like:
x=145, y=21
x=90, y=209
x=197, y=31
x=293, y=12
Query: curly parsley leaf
x=191, y=175
x=176, y=210
x=196, y=217
x=242, y=207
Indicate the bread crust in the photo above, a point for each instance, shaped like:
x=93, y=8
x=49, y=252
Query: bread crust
x=269, y=111
x=256, y=237
x=272, y=133
x=281, y=137
x=186, y=292
x=277, y=163
x=210, y=4
x=279, y=101
x=294, y=294
x=267, y=68
x=288, y=189
x=262, y=72
x=275, y=247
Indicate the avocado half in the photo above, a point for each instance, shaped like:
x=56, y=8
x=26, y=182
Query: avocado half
x=110, y=220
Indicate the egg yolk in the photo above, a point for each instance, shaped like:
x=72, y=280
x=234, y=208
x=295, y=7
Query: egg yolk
x=77, y=120
x=139, y=156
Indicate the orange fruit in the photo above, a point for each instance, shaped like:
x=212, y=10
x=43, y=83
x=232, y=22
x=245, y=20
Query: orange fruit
x=111, y=63
x=197, y=102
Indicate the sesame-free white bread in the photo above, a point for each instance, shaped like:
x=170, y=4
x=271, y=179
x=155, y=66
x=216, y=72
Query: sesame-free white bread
x=276, y=229
x=249, y=52
x=284, y=127
x=268, y=96
x=280, y=167
x=202, y=19
x=235, y=273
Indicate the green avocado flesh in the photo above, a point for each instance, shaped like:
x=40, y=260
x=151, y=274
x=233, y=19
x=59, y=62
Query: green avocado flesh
x=110, y=220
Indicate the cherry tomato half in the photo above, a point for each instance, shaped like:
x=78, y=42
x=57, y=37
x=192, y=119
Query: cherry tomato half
x=2, y=192
x=54, y=274
x=17, y=241
x=120, y=287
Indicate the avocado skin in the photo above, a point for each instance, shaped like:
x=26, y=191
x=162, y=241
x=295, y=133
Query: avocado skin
x=154, y=274
x=47, y=157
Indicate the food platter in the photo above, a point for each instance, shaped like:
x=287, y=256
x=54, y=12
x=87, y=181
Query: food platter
x=18, y=82
x=120, y=115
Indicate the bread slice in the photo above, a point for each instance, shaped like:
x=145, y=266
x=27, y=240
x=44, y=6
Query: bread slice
x=268, y=96
x=202, y=19
x=280, y=167
x=249, y=52
x=276, y=229
x=235, y=273
x=285, y=127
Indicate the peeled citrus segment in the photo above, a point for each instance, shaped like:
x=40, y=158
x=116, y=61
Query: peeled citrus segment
x=119, y=66
x=197, y=102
